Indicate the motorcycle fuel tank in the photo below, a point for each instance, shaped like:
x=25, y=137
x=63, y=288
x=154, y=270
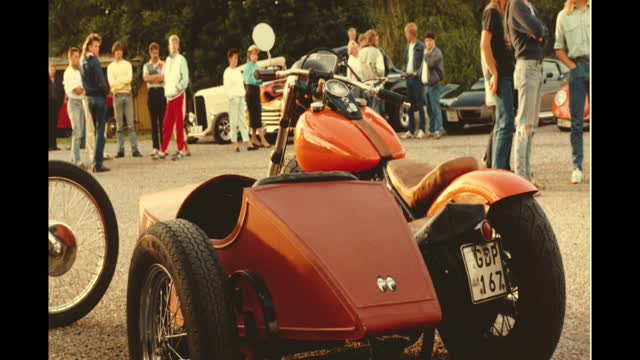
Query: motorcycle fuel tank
x=327, y=141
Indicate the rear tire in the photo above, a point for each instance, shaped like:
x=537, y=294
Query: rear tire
x=180, y=251
x=537, y=268
x=398, y=116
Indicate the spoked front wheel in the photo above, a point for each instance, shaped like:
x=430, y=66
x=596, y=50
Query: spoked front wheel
x=83, y=243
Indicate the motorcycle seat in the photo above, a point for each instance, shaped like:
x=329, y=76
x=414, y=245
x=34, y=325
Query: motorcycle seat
x=418, y=183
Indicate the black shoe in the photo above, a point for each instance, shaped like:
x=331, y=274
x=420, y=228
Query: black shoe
x=54, y=149
x=120, y=154
x=136, y=154
x=250, y=148
x=101, y=169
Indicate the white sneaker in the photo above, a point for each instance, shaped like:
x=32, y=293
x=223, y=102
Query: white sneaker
x=407, y=135
x=154, y=152
x=420, y=134
x=576, y=176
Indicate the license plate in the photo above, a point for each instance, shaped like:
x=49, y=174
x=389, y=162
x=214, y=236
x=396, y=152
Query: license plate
x=452, y=116
x=196, y=129
x=484, y=271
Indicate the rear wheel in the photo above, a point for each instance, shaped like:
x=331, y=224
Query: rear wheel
x=398, y=115
x=527, y=323
x=178, y=301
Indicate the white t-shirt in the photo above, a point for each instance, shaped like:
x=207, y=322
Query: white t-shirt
x=425, y=70
x=232, y=82
x=71, y=80
x=354, y=64
x=410, y=61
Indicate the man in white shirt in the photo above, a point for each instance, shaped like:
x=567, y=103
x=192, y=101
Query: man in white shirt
x=412, y=71
x=72, y=82
x=233, y=85
x=120, y=74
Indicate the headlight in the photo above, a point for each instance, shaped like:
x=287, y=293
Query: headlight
x=561, y=97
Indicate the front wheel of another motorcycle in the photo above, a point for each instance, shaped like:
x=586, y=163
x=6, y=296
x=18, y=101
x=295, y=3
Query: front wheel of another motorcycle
x=527, y=321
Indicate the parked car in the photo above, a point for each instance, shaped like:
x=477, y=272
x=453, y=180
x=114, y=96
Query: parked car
x=211, y=118
x=562, y=113
x=64, y=122
x=469, y=108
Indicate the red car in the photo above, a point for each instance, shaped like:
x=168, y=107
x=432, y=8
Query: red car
x=64, y=122
x=561, y=110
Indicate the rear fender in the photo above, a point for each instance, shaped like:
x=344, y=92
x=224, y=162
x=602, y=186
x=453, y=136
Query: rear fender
x=485, y=186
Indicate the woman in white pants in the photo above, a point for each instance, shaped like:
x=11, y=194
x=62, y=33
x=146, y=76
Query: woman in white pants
x=233, y=85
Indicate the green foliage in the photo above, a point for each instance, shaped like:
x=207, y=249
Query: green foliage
x=208, y=28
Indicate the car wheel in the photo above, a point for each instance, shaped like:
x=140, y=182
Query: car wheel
x=222, y=129
x=398, y=115
x=178, y=299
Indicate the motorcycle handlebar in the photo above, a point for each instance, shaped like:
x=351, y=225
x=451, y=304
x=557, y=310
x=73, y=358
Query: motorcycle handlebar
x=384, y=94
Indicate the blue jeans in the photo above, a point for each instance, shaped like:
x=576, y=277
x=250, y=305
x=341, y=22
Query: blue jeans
x=374, y=103
x=98, y=110
x=123, y=108
x=432, y=95
x=505, y=124
x=76, y=113
x=527, y=79
x=578, y=90
x=414, y=92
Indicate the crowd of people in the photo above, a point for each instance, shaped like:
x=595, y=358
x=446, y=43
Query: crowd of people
x=511, y=50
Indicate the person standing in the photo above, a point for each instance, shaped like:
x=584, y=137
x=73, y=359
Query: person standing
x=371, y=65
x=153, y=74
x=432, y=75
x=120, y=74
x=352, y=34
x=527, y=33
x=362, y=41
x=353, y=69
x=73, y=89
x=56, y=98
x=252, y=87
x=412, y=71
x=573, y=37
x=233, y=85
x=176, y=80
x=498, y=64
x=95, y=87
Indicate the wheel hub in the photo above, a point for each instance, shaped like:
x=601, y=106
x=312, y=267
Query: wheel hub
x=63, y=248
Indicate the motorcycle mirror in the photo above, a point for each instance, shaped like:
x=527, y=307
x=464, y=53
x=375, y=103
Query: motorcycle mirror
x=263, y=36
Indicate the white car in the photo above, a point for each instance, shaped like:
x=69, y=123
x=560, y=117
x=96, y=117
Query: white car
x=211, y=118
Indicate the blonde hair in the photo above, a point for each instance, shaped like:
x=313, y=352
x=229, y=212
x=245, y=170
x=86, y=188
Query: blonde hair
x=88, y=41
x=412, y=27
x=174, y=37
x=351, y=30
x=569, y=6
x=370, y=35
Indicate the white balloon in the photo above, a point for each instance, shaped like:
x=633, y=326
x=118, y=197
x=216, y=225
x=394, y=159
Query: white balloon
x=263, y=36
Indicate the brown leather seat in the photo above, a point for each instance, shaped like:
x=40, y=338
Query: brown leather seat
x=418, y=183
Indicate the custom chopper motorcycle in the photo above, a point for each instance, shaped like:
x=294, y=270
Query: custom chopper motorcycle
x=83, y=243
x=239, y=268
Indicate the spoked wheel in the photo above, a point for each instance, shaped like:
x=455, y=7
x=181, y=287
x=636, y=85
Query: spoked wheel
x=178, y=300
x=527, y=322
x=83, y=243
x=222, y=130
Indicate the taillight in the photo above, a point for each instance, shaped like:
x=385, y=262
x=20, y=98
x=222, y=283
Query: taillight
x=486, y=230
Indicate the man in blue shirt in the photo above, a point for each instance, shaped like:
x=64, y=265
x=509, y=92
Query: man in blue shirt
x=95, y=88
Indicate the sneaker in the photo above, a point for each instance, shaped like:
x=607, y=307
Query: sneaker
x=407, y=135
x=576, y=176
x=120, y=154
x=136, y=153
x=154, y=152
x=437, y=134
x=420, y=134
x=101, y=169
x=159, y=155
x=177, y=156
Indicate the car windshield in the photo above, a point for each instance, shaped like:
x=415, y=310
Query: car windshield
x=323, y=61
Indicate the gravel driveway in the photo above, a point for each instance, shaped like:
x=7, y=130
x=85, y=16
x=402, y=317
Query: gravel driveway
x=102, y=334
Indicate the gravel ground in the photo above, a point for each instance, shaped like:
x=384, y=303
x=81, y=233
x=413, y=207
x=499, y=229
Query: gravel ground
x=102, y=333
